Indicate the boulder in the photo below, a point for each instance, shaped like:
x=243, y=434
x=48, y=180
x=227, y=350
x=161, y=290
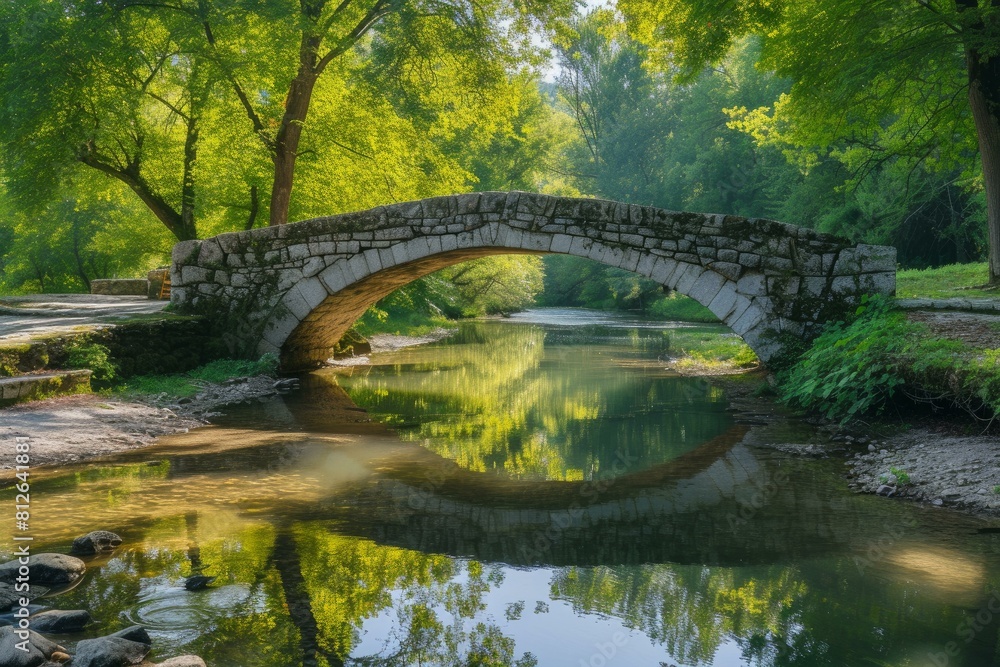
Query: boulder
x=46, y=569
x=96, y=542
x=57, y=621
x=10, y=598
x=109, y=652
x=39, y=650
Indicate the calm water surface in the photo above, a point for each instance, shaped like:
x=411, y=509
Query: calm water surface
x=538, y=491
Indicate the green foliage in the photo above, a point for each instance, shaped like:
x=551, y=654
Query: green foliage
x=850, y=368
x=190, y=383
x=852, y=111
x=901, y=476
x=678, y=308
x=853, y=368
x=83, y=354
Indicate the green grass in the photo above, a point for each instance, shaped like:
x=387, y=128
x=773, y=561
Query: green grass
x=190, y=383
x=679, y=308
x=401, y=323
x=949, y=281
x=710, y=351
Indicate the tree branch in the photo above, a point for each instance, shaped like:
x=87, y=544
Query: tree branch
x=382, y=8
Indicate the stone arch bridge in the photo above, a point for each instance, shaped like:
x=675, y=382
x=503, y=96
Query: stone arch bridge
x=294, y=290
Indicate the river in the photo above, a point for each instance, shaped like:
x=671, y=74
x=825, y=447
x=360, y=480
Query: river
x=541, y=490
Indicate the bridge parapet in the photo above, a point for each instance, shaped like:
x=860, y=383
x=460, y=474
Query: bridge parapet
x=295, y=289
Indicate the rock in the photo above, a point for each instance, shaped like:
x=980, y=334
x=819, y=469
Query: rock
x=10, y=598
x=883, y=452
x=60, y=657
x=46, y=569
x=287, y=384
x=109, y=652
x=58, y=621
x=135, y=633
x=121, y=649
x=197, y=582
x=184, y=401
x=938, y=502
x=39, y=650
x=182, y=661
x=885, y=490
x=96, y=542
x=871, y=448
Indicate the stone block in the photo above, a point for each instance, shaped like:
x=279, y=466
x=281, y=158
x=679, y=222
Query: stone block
x=279, y=329
x=876, y=258
x=287, y=278
x=185, y=252
x=597, y=251
x=706, y=287
x=296, y=303
x=730, y=270
x=312, y=266
x=561, y=243
x=333, y=277
x=751, y=317
x=847, y=263
x=645, y=265
x=752, y=284
x=313, y=291
x=724, y=302
x=686, y=281
x=726, y=255
x=631, y=259
x=878, y=283
x=845, y=285
x=210, y=255
x=191, y=275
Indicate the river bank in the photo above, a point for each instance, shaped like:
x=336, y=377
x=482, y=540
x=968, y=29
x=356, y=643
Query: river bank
x=76, y=428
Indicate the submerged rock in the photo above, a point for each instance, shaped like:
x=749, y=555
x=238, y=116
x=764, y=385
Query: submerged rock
x=197, y=582
x=179, y=661
x=46, y=569
x=39, y=650
x=96, y=542
x=59, y=621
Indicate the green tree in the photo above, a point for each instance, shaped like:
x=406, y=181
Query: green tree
x=853, y=69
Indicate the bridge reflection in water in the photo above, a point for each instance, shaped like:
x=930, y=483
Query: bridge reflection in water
x=329, y=529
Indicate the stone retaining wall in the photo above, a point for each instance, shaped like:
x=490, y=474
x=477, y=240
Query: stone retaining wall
x=120, y=287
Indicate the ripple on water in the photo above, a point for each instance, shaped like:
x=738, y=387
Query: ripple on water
x=178, y=616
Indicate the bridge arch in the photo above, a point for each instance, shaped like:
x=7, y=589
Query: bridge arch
x=294, y=290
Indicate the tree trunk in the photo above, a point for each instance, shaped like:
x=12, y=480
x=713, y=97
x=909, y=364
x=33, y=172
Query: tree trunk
x=287, y=562
x=188, y=226
x=163, y=211
x=984, y=100
x=286, y=143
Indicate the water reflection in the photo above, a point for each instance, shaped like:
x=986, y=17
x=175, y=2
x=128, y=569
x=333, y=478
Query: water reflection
x=542, y=404
x=336, y=542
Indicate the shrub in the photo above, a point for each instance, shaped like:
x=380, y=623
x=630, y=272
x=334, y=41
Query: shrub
x=93, y=356
x=850, y=367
